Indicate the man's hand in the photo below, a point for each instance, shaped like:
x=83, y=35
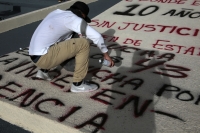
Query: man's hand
x=107, y=57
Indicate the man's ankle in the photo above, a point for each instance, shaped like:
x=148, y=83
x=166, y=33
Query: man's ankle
x=77, y=83
x=45, y=70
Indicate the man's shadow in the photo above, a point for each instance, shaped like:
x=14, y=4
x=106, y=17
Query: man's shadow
x=131, y=104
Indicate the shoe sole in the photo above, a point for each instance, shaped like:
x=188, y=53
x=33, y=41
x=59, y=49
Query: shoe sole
x=43, y=78
x=83, y=91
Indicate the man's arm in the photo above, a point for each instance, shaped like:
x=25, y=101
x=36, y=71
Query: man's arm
x=94, y=36
x=107, y=57
x=99, y=41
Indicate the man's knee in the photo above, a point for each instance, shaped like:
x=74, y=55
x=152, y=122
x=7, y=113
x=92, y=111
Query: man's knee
x=85, y=43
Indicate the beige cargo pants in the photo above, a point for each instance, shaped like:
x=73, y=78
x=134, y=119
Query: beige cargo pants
x=58, y=53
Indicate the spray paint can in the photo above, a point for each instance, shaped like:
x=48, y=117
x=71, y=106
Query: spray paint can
x=104, y=62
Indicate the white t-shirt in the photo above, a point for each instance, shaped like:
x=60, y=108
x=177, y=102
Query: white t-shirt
x=58, y=26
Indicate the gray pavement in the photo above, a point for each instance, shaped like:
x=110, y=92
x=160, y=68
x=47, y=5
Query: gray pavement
x=20, y=37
